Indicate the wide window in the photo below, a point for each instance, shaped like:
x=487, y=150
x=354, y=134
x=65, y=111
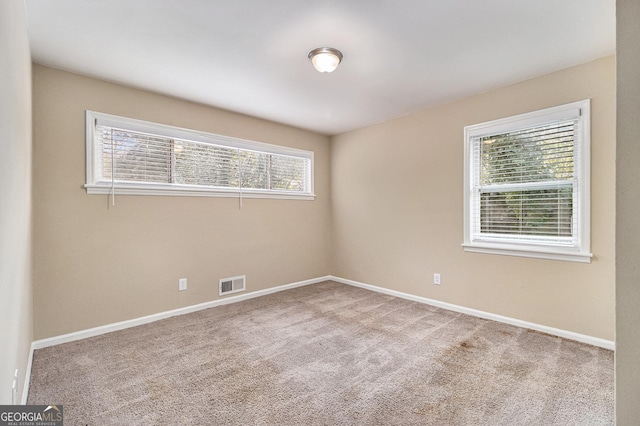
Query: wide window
x=127, y=156
x=527, y=184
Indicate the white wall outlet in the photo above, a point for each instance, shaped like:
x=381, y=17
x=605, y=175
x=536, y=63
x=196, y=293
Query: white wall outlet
x=14, y=389
x=436, y=279
x=182, y=284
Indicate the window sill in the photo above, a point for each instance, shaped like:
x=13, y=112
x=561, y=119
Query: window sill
x=532, y=252
x=189, y=191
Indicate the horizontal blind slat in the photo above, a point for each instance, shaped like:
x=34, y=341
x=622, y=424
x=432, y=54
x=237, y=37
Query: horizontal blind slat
x=525, y=165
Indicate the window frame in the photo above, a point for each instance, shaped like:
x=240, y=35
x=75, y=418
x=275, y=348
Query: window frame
x=94, y=186
x=528, y=247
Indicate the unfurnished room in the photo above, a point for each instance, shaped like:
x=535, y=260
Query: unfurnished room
x=319, y=212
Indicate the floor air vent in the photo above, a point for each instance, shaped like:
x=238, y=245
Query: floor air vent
x=232, y=285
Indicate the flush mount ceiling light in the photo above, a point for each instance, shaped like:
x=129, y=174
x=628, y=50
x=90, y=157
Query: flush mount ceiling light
x=325, y=59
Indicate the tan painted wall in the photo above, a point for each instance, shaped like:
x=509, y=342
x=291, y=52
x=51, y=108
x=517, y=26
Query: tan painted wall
x=397, y=209
x=95, y=265
x=628, y=214
x=16, y=319
x=396, y=213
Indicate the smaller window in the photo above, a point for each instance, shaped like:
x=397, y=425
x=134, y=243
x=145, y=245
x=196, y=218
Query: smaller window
x=527, y=184
x=127, y=156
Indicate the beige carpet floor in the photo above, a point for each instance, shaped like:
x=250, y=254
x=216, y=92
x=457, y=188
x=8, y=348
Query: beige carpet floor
x=326, y=354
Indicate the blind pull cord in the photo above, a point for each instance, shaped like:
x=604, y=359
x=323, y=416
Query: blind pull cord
x=113, y=168
x=241, y=176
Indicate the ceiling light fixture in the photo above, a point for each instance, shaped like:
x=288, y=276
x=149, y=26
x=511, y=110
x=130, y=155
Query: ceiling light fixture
x=325, y=59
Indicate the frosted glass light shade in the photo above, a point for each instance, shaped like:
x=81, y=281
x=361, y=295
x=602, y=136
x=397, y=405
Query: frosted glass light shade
x=325, y=59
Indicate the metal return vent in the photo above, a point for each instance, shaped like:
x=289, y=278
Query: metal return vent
x=232, y=285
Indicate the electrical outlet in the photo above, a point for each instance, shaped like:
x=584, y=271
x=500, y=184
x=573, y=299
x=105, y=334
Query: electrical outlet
x=182, y=284
x=14, y=389
x=436, y=279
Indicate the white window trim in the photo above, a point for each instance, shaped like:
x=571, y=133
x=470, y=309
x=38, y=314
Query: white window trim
x=123, y=188
x=580, y=253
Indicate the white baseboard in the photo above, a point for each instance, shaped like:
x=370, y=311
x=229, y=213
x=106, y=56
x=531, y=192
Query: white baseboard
x=595, y=341
x=27, y=377
x=96, y=331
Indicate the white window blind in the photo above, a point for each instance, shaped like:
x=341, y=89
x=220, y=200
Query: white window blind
x=527, y=179
x=133, y=157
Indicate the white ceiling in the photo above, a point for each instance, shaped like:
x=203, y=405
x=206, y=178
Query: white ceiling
x=250, y=56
